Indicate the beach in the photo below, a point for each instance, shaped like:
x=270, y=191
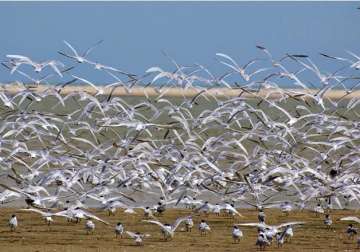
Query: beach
x=34, y=235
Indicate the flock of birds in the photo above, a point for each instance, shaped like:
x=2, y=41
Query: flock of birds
x=61, y=153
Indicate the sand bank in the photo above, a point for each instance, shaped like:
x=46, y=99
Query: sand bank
x=177, y=92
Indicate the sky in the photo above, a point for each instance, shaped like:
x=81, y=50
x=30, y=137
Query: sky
x=135, y=34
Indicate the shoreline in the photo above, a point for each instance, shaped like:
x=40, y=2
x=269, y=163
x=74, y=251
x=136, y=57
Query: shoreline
x=176, y=92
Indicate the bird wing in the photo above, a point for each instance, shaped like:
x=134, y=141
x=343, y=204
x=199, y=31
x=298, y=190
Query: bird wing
x=86, y=81
x=290, y=224
x=154, y=69
x=132, y=234
x=228, y=58
x=181, y=197
x=253, y=225
x=350, y=218
x=229, y=207
x=157, y=223
x=89, y=215
x=71, y=48
x=65, y=213
x=178, y=222
x=126, y=196
x=130, y=210
x=92, y=48
x=36, y=211
x=19, y=57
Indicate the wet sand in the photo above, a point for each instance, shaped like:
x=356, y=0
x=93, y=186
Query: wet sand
x=178, y=92
x=34, y=235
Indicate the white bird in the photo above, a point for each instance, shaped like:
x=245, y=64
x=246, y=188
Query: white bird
x=99, y=66
x=217, y=209
x=13, y=222
x=167, y=229
x=286, y=207
x=47, y=216
x=286, y=235
x=8, y=196
x=231, y=210
x=236, y=234
x=289, y=233
x=80, y=58
x=119, y=229
x=138, y=237
x=78, y=214
x=89, y=227
x=204, y=228
x=18, y=60
x=262, y=241
x=189, y=223
x=327, y=221
x=275, y=228
x=319, y=209
x=356, y=63
x=205, y=208
x=238, y=69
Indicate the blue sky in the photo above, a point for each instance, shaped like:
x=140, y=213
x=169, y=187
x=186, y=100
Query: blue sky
x=135, y=33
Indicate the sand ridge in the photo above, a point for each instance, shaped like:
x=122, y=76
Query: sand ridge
x=177, y=92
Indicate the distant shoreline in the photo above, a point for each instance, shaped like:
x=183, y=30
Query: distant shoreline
x=177, y=92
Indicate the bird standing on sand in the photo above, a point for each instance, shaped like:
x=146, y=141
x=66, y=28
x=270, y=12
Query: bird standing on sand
x=261, y=241
x=160, y=208
x=351, y=231
x=217, y=209
x=89, y=227
x=288, y=233
x=119, y=229
x=284, y=236
x=230, y=210
x=13, y=222
x=189, y=223
x=204, y=227
x=269, y=234
x=204, y=208
x=138, y=237
x=48, y=220
x=261, y=216
x=318, y=209
x=147, y=212
x=236, y=234
x=280, y=239
x=328, y=221
x=286, y=207
x=165, y=231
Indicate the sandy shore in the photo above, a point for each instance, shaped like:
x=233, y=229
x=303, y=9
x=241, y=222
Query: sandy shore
x=34, y=235
x=177, y=92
